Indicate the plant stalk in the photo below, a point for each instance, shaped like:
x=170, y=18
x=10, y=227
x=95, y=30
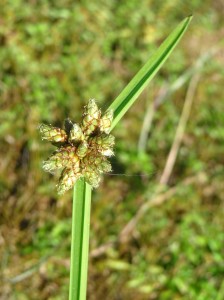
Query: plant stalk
x=80, y=240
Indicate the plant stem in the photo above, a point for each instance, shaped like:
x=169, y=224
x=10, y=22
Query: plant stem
x=80, y=240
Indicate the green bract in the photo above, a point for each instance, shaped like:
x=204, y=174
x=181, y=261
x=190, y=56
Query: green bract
x=82, y=148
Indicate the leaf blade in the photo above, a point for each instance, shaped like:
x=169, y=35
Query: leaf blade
x=134, y=88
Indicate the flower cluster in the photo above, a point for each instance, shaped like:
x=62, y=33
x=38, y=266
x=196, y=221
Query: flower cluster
x=82, y=148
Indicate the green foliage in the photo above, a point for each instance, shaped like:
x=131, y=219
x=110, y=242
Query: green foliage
x=54, y=56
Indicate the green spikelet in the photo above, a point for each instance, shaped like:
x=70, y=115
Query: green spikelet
x=92, y=178
x=105, y=166
x=98, y=162
x=90, y=171
x=52, y=134
x=91, y=116
x=103, y=140
x=92, y=110
x=93, y=165
x=64, y=157
x=103, y=143
x=76, y=134
x=106, y=121
x=68, y=179
x=82, y=149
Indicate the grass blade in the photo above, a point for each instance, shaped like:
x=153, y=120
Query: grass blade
x=130, y=93
x=80, y=240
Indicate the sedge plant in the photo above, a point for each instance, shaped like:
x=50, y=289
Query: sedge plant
x=82, y=154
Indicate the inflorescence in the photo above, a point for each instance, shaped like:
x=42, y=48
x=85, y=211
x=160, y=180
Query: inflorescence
x=82, y=148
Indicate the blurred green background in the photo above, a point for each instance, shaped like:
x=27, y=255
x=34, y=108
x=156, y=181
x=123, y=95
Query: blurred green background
x=54, y=56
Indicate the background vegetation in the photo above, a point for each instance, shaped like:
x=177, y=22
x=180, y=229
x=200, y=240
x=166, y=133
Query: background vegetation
x=54, y=56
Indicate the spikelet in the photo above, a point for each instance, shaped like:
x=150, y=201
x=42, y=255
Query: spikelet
x=105, y=166
x=68, y=179
x=92, y=177
x=103, y=143
x=64, y=157
x=90, y=170
x=82, y=149
x=52, y=134
x=93, y=165
x=76, y=134
x=91, y=117
x=106, y=121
